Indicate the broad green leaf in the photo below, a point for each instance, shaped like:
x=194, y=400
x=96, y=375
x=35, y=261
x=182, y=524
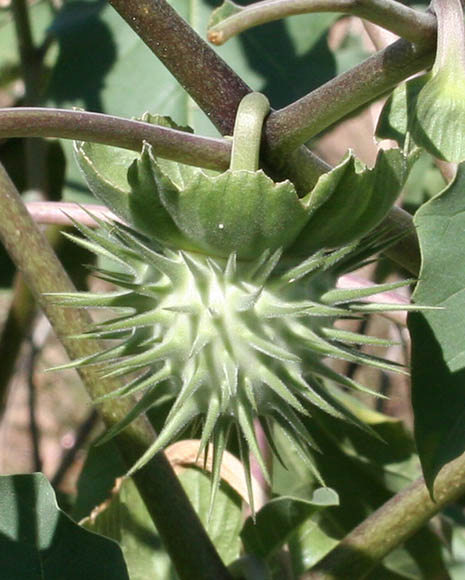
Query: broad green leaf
x=127, y=520
x=279, y=518
x=309, y=543
x=39, y=542
x=438, y=345
x=225, y=523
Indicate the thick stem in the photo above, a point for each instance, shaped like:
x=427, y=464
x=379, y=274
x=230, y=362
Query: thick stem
x=116, y=131
x=392, y=524
x=292, y=126
x=209, y=80
x=160, y=489
x=410, y=24
x=62, y=213
x=27, y=51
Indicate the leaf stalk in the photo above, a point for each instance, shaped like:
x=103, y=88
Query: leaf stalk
x=116, y=131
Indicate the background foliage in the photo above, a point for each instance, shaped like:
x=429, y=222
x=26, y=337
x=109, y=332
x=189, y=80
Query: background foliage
x=113, y=71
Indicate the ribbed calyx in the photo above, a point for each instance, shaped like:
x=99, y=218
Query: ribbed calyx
x=229, y=341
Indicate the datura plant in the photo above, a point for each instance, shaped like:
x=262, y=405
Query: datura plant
x=215, y=307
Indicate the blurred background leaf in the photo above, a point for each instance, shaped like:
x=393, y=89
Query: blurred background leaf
x=39, y=542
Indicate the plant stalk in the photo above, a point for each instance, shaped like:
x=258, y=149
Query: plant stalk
x=413, y=25
x=207, y=78
x=116, y=131
x=295, y=124
x=32, y=69
x=160, y=489
x=393, y=523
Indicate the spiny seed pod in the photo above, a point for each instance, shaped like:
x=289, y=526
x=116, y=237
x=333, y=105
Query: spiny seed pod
x=213, y=309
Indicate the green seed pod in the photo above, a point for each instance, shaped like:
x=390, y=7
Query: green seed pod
x=213, y=310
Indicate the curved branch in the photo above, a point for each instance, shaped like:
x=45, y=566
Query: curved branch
x=410, y=24
x=116, y=131
x=295, y=124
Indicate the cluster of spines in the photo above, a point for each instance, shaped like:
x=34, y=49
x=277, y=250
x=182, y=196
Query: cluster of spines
x=156, y=290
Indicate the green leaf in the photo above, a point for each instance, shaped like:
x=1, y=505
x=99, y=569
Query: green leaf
x=438, y=345
x=439, y=120
x=350, y=200
x=225, y=521
x=38, y=541
x=366, y=471
x=396, y=116
x=440, y=108
x=279, y=518
x=309, y=543
x=431, y=108
x=127, y=520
